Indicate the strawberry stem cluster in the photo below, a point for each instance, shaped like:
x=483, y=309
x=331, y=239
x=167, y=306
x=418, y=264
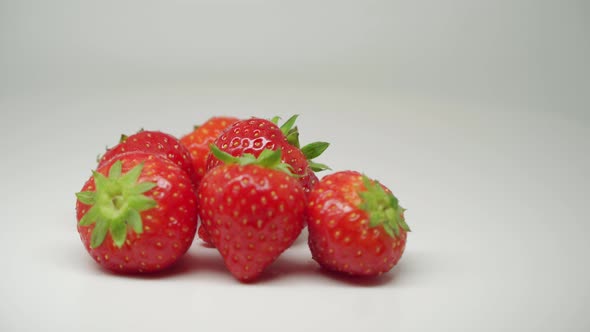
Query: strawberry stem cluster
x=116, y=204
x=268, y=159
x=383, y=208
x=310, y=151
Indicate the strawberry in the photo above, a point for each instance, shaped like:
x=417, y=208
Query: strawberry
x=356, y=225
x=137, y=214
x=204, y=236
x=253, y=208
x=255, y=135
x=154, y=142
x=197, y=142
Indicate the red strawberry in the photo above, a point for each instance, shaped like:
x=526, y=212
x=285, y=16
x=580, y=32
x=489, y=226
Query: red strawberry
x=198, y=141
x=205, y=237
x=356, y=225
x=137, y=214
x=256, y=135
x=253, y=209
x=154, y=142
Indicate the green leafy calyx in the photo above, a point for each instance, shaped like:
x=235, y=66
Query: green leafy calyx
x=311, y=150
x=268, y=159
x=116, y=204
x=382, y=207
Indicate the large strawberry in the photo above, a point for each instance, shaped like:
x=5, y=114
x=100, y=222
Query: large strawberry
x=197, y=142
x=154, y=142
x=253, y=208
x=356, y=225
x=255, y=135
x=137, y=213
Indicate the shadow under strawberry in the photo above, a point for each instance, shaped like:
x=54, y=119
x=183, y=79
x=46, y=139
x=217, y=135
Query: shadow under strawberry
x=185, y=265
x=360, y=281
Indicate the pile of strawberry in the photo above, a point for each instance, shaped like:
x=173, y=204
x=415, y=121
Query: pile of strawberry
x=252, y=187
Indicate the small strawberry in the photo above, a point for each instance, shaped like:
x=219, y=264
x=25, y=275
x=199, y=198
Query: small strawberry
x=255, y=135
x=154, y=142
x=137, y=214
x=356, y=225
x=253, y=208
x=197, y=142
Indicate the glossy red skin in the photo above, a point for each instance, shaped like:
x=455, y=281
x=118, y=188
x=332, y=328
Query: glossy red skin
x=205, y=237
x=253, y=214
x=197, y=142
x=169, y=228
x=157, y=143
x=340, y=238
x=254, y=136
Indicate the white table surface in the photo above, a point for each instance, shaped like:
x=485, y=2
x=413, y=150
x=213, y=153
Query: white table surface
x=496, y=200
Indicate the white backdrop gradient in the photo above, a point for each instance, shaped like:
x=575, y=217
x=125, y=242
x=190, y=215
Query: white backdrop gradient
x=475, y=113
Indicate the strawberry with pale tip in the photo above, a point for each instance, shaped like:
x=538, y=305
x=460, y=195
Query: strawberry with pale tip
x=197, y=142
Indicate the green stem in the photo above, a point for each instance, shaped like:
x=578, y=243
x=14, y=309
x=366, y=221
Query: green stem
x=383, y=208
x=115, y=204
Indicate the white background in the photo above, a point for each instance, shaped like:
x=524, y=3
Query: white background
x=476, y=114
